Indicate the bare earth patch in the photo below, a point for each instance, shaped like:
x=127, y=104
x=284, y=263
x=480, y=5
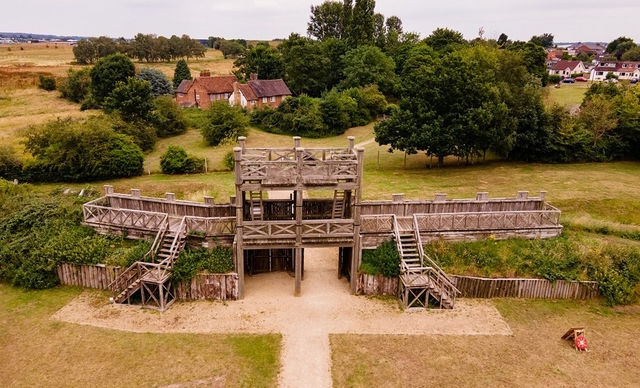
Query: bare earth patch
x=325, y=307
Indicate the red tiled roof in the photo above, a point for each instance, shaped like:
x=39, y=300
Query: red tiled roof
x=184, y=86
x=564, y=64
x=247, y=92
x=217, y=84
x=269, y=88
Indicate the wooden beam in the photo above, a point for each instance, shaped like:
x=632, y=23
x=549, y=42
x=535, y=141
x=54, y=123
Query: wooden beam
x=298, y=258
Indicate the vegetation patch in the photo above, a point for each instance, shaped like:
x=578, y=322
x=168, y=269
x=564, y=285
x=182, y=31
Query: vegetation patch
x=192, y=261
x=384, y=260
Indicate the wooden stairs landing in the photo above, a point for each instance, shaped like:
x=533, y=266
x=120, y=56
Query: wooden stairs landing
x=420, y=281
x=151, y=276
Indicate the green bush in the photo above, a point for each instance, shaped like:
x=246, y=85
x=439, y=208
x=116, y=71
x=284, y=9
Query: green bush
x=617, y=271
x=176, y=161
x=555, y=79
x=160, y=84
x=124, y=256
x=168, y=119
x=10, y=163
x=225, y=123
x=384, y=260
x=229, y=161
x=47, y=82
x=192, y=261
x=76, y=86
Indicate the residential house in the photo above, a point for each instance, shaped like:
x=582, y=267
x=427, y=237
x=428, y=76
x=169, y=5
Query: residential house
x=259, y=93
x=621, y=69
x=566, y=69
x=594, y=49
x=203, y=90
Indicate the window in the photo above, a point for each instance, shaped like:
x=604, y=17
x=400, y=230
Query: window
x=217, y=96
x=273, y=98
x=197, y=96
x=598, y=73
x=180, y=94
x=253, y=102
x=264, y=100
x=226, y=96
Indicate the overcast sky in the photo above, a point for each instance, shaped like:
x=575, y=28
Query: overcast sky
x=568, y=20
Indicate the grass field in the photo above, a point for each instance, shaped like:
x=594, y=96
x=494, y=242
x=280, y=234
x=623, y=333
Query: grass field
x=567, y=95
x=534, y=356
x=36, y=351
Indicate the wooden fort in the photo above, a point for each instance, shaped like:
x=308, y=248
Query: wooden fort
x=290, y=199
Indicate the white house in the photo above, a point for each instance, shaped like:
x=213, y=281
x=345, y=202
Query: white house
x=623, y=70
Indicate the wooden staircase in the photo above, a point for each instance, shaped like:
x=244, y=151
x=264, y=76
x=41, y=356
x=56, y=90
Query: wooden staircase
x=339, y=200
x=420, y=278
x=151, y=276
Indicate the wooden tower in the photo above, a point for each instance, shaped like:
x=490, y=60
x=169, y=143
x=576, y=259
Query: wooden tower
x=300, y=220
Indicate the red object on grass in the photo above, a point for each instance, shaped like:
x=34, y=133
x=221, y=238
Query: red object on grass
x=581, y=342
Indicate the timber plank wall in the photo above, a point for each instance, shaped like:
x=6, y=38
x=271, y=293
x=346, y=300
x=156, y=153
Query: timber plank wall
x=203, y=286
x=486, y=288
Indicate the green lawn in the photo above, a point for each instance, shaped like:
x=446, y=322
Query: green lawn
x=567, y=95
x=36, y=351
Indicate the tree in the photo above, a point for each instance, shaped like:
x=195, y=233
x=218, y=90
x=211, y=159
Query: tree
x=306, y=64
x=326, y=21
x=534, y=58
x=443, y=38
x=168, y=119
x=10, y=163
x=231, y=49
x=181, y=73
x=612, y=47
x=599, y=117
x=160, y=84
x=368, y=65
x=107, y=72
x=633, y=54
x=545, y=40
x=263, y=60
x=362, y=24
x=132, y=99
x=225, y=123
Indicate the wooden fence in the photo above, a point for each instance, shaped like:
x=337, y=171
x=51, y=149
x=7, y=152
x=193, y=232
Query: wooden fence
x=203, y=286
x=474, y=287
x=486, y=288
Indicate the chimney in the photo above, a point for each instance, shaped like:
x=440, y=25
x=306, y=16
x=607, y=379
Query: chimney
x=205, y=73
x=253, y=76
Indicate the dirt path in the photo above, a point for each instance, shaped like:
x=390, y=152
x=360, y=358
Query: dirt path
x=324, y=307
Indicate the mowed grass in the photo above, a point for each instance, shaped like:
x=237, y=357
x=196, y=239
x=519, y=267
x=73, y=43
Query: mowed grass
x=534, y=356
x=38, y=351
x=567, y=95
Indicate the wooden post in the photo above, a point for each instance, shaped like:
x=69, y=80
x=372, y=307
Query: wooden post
x=237, y=155
x=208, y=200
x=296, y=142
x=242, y=141
x=357, y=248
x=135, y=193
x=351, y=141
x=108, y=189
x=397, y=197
x=298, y=254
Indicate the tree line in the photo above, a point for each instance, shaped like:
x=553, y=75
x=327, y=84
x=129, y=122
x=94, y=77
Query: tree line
x=143, y=47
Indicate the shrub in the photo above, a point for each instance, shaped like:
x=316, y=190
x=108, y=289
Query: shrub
x=176, y=161
x=80, y=151
x=106, y=74
x=132, y=98
x=76, y=86
x=47, y=82
x=126, y=255
x=229, y=161
x=225, y=123
x=10, y=163
x=617, y=271
x=384, y=260
x=192, y=261
x=168, y=119
x=555, y=79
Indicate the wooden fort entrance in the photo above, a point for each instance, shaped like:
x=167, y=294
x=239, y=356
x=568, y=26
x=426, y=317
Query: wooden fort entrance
x=288, y=200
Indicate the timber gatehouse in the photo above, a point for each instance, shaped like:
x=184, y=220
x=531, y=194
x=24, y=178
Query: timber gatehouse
x=291, y=199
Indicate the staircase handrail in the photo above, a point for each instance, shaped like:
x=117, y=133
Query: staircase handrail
x=167, y=263
x=162, y=230
x=126, y=278
x=441, y=276
x=404, y=268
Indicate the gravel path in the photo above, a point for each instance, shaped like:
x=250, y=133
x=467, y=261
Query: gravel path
x=324, y=307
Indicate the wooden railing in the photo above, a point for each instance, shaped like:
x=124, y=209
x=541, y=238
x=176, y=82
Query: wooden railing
x=135, y=219
x=288, y=169
x=329, y=228
x=382, y=223
x=211, y=226
x=442, y=222
x=174, y=207
x=268, y=230
x=157, y=242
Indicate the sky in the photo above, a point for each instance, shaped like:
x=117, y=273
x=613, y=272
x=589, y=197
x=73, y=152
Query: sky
x=568, y=20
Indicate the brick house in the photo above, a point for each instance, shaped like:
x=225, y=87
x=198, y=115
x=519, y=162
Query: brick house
x=259, y=93
x=205, y=89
